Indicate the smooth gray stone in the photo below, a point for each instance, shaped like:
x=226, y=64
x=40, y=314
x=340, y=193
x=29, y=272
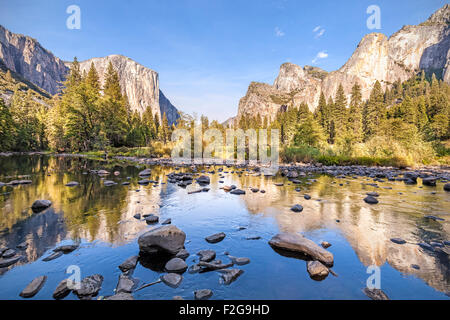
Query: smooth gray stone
x=167, y=221
x=4, y=263
x=375, y=294
x=33, y=287
x=126, y=284
x=206, y=255
x=230, y=275
x=68, y=248
x=40, y=205
x=215, y=238
x=9, y=253
x=173, y=280
x=297, y=243
x=240, y=261
x=398, y=241
x=72, y=184
x=297, y=208
x=129, y=264
x=89, y=286
x=203, y=294
x=176, y=265
x=182, y=254
x=371, y=200
x=53, y=256
x=166, y=238
x=151, y=219
x=122, y=296
x=237, y=192
x=62, y=290
x=317, y=270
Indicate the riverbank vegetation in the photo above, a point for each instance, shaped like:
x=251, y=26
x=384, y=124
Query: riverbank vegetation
x=406, y=124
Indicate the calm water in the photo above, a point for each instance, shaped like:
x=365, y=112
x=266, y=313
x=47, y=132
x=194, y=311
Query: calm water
x=101, y=218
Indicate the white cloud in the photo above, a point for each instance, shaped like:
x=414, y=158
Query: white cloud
x=320, y=55
x=319, y=31
x=278, y=32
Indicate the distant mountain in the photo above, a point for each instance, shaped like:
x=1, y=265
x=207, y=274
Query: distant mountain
x=25, y=57
x=141, y=84
x=411, y=49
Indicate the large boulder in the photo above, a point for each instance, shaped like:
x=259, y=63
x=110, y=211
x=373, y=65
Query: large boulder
x=168, y=239
x=299, y=244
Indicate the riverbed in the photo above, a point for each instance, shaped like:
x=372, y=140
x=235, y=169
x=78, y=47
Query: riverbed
x=101, y=220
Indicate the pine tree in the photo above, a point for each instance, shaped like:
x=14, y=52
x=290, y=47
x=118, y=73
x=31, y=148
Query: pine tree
x=339, y=113
x=375, y=112
x=355, y=119
x=7, y=128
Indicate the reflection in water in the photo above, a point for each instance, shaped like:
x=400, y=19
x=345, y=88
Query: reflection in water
x=93, y=212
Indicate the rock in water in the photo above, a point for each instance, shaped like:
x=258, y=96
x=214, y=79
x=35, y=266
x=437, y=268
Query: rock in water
x=215, y=237
x=325, y=244
x=126, y=284
x=145, y=173
x=151, y=219
x=129, y=264
x=300, y=244
x=53, y=256
x=62, y=290
x=398, y=241
x=447, y=187
x=371, y=200
x=40, y=205
x=317, y=270
x=4, y=263
x=33, y=287
x=166, y=238
x=66, y=248
x=230, y=275
x=176, y=265
x=375, y=294
x=203, y=294
x=237, y=192
x=173, y=280
x=72, y=184
x=430, y=181
x=89, y=287
x=167, y=221
x=206, y=255
x=203, y=180
x=121, y=296
x=182, y=254
x=9, y=253
x=297, y=208
x=239, y=261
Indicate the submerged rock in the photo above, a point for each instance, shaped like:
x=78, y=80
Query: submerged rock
x=317, y=270
x=230, y=275
x=89, y=287
x=129, y=264
x=40, y=205
x=62, y=290
x=300, y=244
x=203, y=294
x=215, y=237
x=215, y=265
x=166, y=238
x=447, y=187
x=375, y=294
x=33, y=287
x=173, y=280
x=239, y=261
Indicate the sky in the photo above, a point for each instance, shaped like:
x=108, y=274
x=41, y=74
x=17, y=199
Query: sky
x=208, y=51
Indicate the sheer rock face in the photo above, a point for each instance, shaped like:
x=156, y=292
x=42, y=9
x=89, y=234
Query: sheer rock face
x=377, y=57
x=141, y=84
x=25, y=56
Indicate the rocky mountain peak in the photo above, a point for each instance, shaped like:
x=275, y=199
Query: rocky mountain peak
x=376, y=58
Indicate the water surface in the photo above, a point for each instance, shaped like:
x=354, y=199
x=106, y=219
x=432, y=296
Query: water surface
x=101, y=219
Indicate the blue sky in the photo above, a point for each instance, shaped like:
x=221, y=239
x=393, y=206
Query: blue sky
x=208, y=51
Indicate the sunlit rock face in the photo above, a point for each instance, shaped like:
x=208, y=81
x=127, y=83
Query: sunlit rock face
x=140, y=84
x=376, y=58
x=25, y=56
